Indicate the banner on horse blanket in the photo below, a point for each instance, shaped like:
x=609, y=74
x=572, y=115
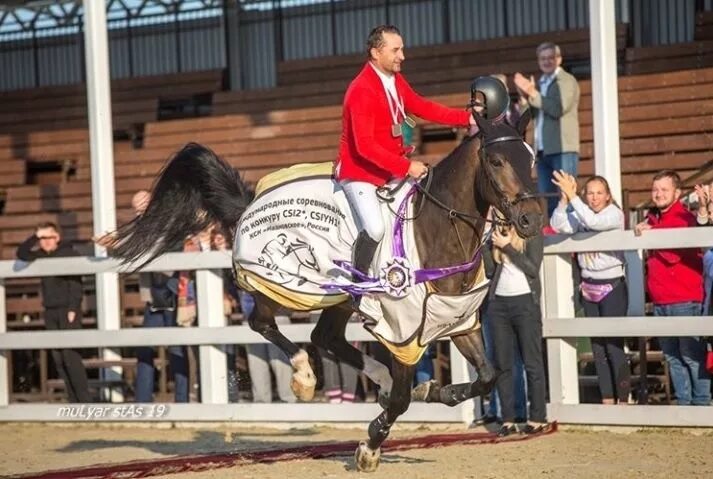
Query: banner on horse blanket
x=300, y=224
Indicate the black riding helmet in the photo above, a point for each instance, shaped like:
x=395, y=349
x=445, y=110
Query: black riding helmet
x=494, y=97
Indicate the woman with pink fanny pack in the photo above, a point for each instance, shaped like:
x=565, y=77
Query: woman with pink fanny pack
x=603, y=285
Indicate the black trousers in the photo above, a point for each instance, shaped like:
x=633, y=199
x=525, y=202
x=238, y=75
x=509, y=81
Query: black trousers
x=609, y=356
x=68, y=361
x=516, y=321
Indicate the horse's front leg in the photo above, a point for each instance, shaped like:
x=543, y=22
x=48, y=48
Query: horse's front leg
x=330, y=334
x=368, y=452
x=262, y=320
x=472, y=348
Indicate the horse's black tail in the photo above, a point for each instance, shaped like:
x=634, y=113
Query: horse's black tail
x=194, y=190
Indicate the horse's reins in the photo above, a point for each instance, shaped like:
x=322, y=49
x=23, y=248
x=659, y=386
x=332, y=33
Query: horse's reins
x=387, y=195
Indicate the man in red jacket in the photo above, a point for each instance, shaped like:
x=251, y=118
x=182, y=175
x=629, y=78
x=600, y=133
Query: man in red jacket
x=675, y=285
x=371, y=150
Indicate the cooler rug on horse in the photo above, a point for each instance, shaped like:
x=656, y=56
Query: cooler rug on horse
x=206, y=462
x=294, y=245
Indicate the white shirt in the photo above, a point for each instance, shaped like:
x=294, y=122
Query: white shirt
x=512, y=281
x=392, y=96
x=389, y=81
x=545, y=82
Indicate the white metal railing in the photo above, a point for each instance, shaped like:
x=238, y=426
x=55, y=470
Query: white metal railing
x=210, y=334
x=560, y=328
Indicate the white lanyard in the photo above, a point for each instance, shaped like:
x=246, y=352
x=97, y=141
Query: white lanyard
x=396, y=105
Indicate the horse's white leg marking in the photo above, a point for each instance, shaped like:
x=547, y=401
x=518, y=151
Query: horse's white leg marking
x=303, y=379
x=378, y=373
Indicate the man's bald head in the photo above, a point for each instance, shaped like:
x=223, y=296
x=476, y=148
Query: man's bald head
x=140, y=201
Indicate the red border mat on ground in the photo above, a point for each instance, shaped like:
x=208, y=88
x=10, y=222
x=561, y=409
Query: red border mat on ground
x=205, y=462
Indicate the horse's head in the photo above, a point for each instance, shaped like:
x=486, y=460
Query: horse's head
x=505, y=174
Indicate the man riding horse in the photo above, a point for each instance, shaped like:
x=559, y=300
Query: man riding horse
x=371, y=149
x=197, y=189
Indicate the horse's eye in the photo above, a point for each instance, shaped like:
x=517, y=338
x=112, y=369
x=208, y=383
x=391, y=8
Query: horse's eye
x=497, y=162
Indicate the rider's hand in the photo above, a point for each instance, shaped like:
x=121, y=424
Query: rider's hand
x=417, y=169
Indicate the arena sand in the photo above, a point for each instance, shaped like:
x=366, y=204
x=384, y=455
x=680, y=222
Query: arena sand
x=568, y=453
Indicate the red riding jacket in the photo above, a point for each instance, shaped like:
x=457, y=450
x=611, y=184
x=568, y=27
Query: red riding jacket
x=674, y=275
x=367, y=149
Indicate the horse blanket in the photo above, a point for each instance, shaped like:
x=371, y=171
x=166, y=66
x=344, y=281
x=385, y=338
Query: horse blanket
x=294, y=244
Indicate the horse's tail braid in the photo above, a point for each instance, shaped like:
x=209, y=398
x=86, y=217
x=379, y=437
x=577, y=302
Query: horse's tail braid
x=195, y=189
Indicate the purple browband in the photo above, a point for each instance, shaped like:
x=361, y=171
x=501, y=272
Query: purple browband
x=369, y=284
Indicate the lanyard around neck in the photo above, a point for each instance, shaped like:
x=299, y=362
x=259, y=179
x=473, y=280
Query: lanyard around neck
x=396, y=104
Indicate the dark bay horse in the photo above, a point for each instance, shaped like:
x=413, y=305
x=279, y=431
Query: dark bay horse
x=196, y=189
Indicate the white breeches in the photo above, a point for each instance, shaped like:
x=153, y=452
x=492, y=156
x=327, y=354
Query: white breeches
x=365, y=205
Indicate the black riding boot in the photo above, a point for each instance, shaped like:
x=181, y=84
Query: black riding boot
x=363, y=254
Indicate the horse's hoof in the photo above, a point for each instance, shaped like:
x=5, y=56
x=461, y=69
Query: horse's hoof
x=367, y=460
x=422, y=391
x=303, y=381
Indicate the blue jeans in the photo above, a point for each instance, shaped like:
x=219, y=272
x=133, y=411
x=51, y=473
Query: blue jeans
x=424, y=368
x=686, y=358
x=518, y=376
x=178, y=360
x=546, y=164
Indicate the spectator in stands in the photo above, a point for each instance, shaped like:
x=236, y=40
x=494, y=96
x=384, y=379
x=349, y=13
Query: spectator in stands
x=516, y=321
x=603, y=281
x=675, y=286
x=705, y=204
x=159, y=292
x=62, y=301
x=555, y=100
x=371, y=150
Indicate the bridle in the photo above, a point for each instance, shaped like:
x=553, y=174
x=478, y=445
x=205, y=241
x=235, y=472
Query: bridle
x=505, y=205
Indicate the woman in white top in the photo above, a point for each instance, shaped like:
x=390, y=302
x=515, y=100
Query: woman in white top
x=603, y=287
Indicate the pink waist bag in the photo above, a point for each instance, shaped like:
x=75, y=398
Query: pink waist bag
x=594, y=293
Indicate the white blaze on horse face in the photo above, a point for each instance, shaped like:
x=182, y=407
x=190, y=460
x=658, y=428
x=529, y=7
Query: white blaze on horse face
x=532, y=154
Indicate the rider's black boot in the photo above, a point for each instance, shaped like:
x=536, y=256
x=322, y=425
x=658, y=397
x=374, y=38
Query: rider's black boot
x=364, y=249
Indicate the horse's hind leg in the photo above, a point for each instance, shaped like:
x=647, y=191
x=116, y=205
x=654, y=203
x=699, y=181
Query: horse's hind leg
x=262, y=320
x=368, y=453
x=471, y=346
x=329, y=334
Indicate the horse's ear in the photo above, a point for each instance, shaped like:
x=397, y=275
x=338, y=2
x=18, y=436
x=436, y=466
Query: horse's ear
x=524, y=121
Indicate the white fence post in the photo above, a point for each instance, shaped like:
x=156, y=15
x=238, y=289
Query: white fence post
x=5, y=379
x=213, y=363
x=561, y=353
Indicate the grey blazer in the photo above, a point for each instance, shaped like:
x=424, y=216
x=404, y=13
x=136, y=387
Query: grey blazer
x=560, y=128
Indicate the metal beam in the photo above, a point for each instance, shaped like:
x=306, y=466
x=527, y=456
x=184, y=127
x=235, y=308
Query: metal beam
x=605, y=100
x=102, y=165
